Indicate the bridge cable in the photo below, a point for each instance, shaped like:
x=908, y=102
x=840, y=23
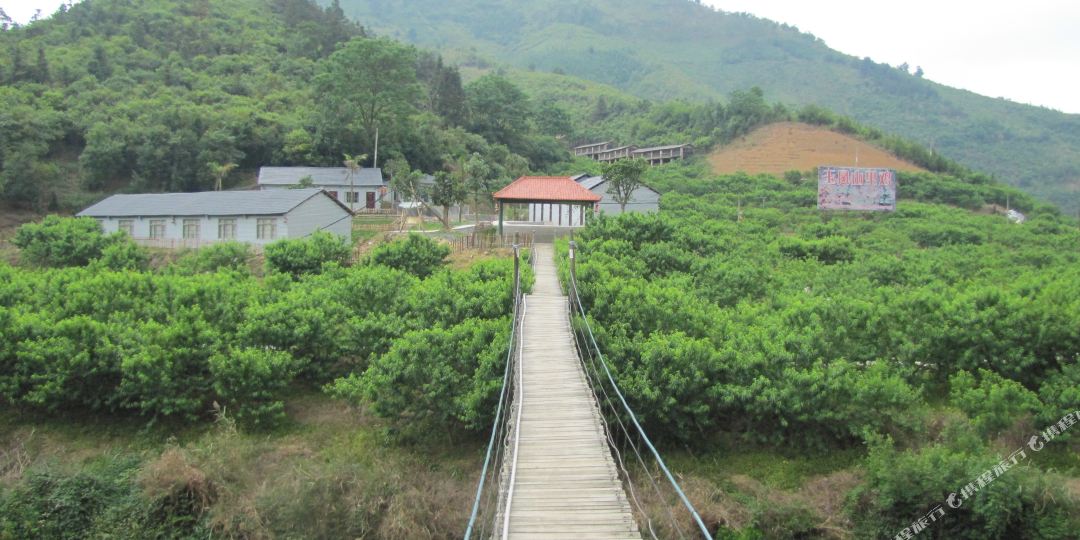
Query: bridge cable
x=633, y=418
x=594, y=383
x=499, y=410
x=629, y=440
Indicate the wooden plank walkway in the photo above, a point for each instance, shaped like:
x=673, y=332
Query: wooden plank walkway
x=566, y=484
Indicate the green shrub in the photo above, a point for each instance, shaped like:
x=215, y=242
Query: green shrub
x=417, y=255
x=435, y=379
x=991, y=401
x=222, y=256
x=301, y=256
x=1060, y=395
x=59, y=241
x=249, y=382
x=123, y=254
x=903, y=485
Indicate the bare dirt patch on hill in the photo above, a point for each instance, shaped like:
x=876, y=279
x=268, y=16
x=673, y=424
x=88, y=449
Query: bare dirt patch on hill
x=781, y=147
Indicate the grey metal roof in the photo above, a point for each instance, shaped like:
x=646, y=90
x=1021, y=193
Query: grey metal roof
x=591, y=182
x=320, y=176
x=206, y=203
x=669, y=147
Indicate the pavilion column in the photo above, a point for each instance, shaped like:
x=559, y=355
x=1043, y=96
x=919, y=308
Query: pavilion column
x=500, y=218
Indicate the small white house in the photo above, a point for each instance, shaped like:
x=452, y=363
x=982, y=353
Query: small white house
x=643, y=199
x=195, y=219
x=359, y=190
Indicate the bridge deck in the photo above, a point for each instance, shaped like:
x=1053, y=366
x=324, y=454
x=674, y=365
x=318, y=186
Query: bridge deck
x=566, y=483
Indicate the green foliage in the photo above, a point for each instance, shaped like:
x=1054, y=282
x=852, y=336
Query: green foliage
x=366, y=84
x=300, y=256
x=59, y=241
x=417, y=255
x=1060, y=394
x=123, y=254
x=175, y=343
x=436, y=379
x=797, y=327
x=623, y=177
x=499, y=111
x=50, y=505
x=215, y=257
x=992, y=402
x=903, y=485
x=155, y=96
x=627, y=45
x=251, y=382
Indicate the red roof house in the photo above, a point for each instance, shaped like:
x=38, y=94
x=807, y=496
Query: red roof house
x=544, y=189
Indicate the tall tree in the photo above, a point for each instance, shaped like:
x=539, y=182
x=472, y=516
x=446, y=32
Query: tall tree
x=406, y=183
x=623, y=177
x=367, y=85
x=41, y=69
x=477, y=175
x=446, y=192
x=5, y=21
x=498, y=111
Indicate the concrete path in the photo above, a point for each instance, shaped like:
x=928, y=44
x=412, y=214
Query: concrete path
x=565, y=482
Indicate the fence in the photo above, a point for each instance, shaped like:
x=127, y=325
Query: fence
x=185, y=243
x=489, y=241
x=485, y=520
x=660, y=506
x=376, y=211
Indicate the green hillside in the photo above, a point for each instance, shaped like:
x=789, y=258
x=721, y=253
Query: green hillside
x=161, y=95
x=663, y=49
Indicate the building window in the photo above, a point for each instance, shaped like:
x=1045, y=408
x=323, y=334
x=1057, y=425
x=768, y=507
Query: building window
x=128, y=226
x=157, y=228
x=226, y=229
x=191, y=229
x=267, y=228
x=352, y=197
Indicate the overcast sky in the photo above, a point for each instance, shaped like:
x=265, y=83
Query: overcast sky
x=1024, y=51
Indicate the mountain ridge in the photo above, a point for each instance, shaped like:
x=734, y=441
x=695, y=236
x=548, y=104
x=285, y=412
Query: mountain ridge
x=677, y=49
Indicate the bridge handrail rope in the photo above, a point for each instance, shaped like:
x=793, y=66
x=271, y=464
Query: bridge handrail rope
x=507, y=385
x=575, y=299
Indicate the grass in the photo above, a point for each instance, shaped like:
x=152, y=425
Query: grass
x=772, y=468
x=331, y=471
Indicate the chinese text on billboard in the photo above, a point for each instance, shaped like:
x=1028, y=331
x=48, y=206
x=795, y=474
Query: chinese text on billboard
x=850, y=188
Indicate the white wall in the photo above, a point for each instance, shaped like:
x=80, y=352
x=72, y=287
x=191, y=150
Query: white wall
x=342, y=193
x=246, y=228
x=556, y=214
x=641, y=200
x=319, y=213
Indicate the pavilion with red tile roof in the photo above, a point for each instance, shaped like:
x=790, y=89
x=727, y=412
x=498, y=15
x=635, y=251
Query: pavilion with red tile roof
x=553, y=190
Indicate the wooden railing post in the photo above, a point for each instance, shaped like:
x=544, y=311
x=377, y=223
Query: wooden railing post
x=573, y=274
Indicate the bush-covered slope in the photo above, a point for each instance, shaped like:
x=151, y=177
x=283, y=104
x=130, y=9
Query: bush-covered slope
x=162, y=95
x=663, y=49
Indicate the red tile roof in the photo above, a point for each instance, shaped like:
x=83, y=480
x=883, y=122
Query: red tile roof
x=546, y=189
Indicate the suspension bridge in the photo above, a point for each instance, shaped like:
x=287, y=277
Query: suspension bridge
x=564, y=439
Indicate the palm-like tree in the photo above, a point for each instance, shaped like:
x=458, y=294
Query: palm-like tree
x=352, y=162
x=221, y=171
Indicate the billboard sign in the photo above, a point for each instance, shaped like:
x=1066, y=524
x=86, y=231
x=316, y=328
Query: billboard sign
x=852, y=188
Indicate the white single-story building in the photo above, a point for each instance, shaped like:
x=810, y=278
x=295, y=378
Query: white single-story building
x=195, y=219
x=643, y=199
x=359, y=190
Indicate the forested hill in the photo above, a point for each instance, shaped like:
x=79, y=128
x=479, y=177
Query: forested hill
x=171, y=95
x=662, y=49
